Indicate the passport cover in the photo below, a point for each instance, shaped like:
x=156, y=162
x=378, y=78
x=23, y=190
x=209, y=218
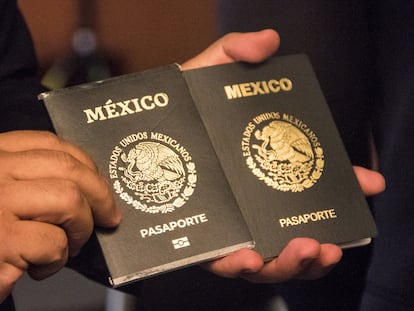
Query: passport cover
x=208, y=161
x=145, y=135
x=280, y=150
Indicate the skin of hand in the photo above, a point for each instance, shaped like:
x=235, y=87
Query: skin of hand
x=51, y=195
x=302, y=258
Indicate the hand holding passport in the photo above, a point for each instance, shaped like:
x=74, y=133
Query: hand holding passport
x=302, y=257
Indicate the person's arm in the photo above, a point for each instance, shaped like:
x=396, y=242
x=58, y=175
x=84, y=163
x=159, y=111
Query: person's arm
x=302, y=258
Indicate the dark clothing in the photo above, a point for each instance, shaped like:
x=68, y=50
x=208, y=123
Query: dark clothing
x=363, y=55
x=7, y=305
x=390, y=282
x=19, y=84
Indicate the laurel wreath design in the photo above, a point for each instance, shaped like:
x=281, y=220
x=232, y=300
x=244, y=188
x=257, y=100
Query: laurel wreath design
x=279, y=173
x=167, y=207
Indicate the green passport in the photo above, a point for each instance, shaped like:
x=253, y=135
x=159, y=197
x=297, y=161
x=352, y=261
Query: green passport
x=206, y=162
x=281, y=152
x=146, y=137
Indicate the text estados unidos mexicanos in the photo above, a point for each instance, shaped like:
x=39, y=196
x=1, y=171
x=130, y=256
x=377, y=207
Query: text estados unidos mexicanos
x=173, y=225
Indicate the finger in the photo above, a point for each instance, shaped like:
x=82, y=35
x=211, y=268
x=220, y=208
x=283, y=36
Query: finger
x=234, y=264
x=40, y=272
x=296, y=260
x=371, y=182
x=26, y=243
x=9, y=275
x=105, y=212
x=291, y=261
x=249, y=47
x=45, y=164
x=330, y=255
x=15, y=141
x=57, y=202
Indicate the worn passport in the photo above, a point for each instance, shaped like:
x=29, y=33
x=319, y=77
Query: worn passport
x=282, y=154
x=146, y=137
x=212, y=160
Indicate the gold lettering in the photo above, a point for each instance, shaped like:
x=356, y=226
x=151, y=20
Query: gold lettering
x=173, y=225
x=112, y=110
x=125, y=109
x=274, y=86
x=136, y=104
x=232, y=91
x=95, y=115
x=246, y=89
x=257, y=88
x=147, y=103
x=161, y=99
x=286, y=84
x=296, y=220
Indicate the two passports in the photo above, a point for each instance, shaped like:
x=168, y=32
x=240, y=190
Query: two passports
x=212, y=160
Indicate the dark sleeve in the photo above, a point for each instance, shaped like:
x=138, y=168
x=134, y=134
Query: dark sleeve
x=8, y=304
x=19, y=83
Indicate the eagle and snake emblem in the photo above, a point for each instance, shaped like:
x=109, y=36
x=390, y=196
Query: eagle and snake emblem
x=286, y=158
x=158, y=177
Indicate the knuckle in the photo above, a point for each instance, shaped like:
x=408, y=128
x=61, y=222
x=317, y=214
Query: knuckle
x=49, y=139
x=60, y=247
x=106, y=191
x=66, y=161
x=72, y=198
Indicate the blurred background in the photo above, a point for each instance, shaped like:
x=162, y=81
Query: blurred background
x=130, y=35
x=82, y=40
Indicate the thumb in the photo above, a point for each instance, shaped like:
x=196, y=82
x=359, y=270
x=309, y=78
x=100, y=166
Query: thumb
x=250, y=47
